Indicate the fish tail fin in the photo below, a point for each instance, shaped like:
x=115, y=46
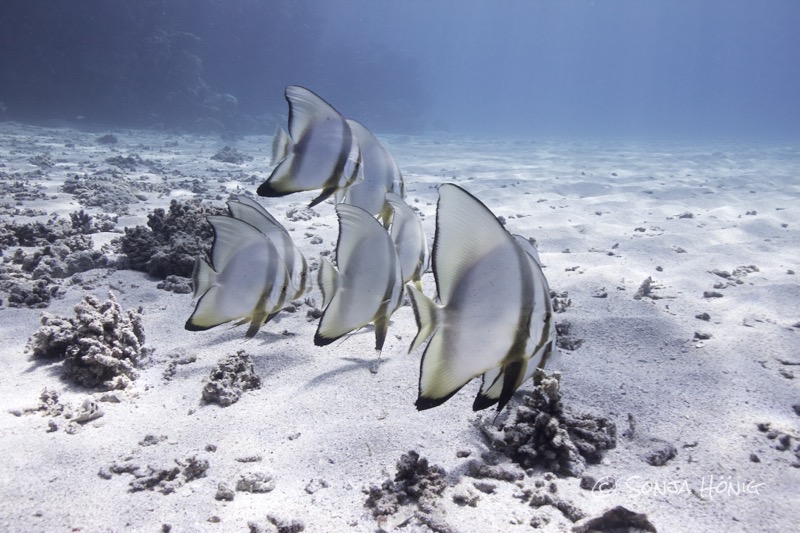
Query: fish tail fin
x=426, y=313
x=281, y=144
x=203, y=276
x=328, y=281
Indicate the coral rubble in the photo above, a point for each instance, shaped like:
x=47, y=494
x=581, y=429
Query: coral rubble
x=230, y=378
x=416, y=481
x=546, y=434
x=101, y=345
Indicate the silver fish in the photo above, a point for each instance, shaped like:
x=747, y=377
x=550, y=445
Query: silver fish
x=368, y=284
x=481, y=319
x=409, y=239
x=542, y=339
x=246, y=280
x=381, y=175
x=250, y=211
x=320, y=153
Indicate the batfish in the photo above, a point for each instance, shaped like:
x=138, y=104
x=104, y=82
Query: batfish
x=381, y=175
x=542, y=339
x=368, y=284
x=485, y=297
x=409, y=239
x=320, y=151
x=246, y=280
x=250, y=211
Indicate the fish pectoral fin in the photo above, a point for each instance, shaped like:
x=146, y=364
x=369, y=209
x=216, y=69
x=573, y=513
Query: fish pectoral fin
x=324, y=195
x=426, y=313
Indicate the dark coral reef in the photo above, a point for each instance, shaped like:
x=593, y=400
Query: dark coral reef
x=171, y=240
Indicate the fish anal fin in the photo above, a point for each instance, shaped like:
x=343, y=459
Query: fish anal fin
x=424, y=403
x=322, y=340
x=280, y=181
x=191, y=326
x=205, y=316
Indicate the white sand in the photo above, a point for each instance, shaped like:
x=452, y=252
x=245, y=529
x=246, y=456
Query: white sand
x=322, y=415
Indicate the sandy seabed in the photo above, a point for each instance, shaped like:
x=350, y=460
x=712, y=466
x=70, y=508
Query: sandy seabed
x=716, y=228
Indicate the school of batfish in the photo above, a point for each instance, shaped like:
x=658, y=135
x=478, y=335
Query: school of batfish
x=491, y=317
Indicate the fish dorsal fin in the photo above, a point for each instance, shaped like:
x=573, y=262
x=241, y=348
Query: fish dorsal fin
x=355, y=225
x=529, y=248
x=281, y=145
x=360, y=132
x=306, y=108
x=466, y=232
x=397, y=203
x=256, y=217
x=230, y=235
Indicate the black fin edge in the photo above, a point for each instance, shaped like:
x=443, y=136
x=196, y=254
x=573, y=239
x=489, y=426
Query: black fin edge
x=267, y=190
x=482, y=402
x=424, y=402
x=320, y=340
x=190, y=326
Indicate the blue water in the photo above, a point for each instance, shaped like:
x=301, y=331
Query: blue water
x=689, y=69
